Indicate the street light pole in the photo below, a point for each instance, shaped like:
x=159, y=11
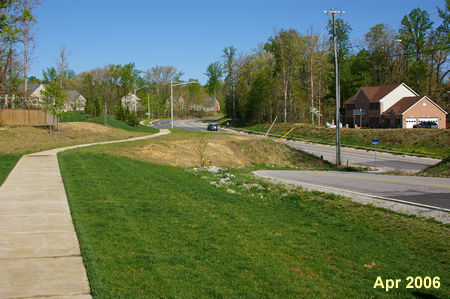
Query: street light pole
x=338, y=122
x=173, y=84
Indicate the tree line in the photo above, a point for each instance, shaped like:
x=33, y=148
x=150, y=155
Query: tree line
x=16, y=45
x=291, y=75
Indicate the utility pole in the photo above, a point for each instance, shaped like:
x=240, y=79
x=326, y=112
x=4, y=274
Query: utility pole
x=338, y=122
x=311, y=70
x=171, y=105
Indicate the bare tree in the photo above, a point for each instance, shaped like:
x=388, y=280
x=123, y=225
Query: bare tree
x=26, y=19
x=62, y=65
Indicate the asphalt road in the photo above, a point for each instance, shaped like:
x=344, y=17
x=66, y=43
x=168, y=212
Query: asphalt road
x=427, y=191
x=184, y=124
x=362, y=158
x=352, y=157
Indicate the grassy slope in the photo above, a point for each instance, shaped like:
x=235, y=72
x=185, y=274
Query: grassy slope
x=148, y=230
x=76, y=116
x=181, y=148
x=16, y=141
x=442, y=169
x=420, y=141
x=72, y=116
x=7, y=163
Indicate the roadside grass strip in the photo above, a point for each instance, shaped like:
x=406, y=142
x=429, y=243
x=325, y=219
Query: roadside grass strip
x=7, y=163
x=429, y=142
x=148, y=230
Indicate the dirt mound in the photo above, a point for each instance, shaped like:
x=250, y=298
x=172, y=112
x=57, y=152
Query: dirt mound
x=219, y=150
x=79, y=126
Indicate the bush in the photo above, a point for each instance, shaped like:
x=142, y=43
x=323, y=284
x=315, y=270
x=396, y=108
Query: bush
x=121, y=113
x=132, y=119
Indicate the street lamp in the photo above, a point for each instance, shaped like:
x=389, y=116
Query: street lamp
x=173, y=84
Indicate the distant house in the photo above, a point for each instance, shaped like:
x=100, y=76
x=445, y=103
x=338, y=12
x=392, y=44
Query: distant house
x=391, y=106
x=74, y=100
x=131, y=101
x=33, y=94
x=207, y=105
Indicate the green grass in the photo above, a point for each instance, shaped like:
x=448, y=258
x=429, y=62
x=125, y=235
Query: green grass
x=419, y=141
x=149, y=231
x=442, y=169
x=115, y=123
x=72, y=116
x=7, y=163
x=76, y=116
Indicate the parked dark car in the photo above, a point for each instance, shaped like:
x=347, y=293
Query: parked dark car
x=212, y=127
x=426, y=125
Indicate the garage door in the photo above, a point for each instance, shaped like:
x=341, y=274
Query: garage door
x=433, y=119
x=410, y=122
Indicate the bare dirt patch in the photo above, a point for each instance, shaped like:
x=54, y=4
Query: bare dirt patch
x=33, y=139
x=194, y=149
x=85, y=126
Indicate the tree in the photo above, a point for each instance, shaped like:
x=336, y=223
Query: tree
x=230, y=99
x=27, y=20
x=50, y=75
x=285, y=48
x=259, y=96
x=10, y=71
x=62, y=66
x=52, y=101
x=214, y=72
x=413, y=33
x=343, y=30
x=381, y=43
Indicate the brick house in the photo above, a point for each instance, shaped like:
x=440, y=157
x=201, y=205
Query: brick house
x=413, y=110
x=391, y=106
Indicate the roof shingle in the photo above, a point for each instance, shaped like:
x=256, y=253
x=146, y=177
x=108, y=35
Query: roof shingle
x=375, y=93
x=402, y=105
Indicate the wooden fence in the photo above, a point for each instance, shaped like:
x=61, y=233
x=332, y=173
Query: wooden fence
x=22, y=117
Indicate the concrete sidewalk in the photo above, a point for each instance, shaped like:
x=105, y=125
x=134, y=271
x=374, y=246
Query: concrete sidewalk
x=39, y=252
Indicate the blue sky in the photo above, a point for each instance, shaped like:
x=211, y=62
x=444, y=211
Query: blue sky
x=189, y=34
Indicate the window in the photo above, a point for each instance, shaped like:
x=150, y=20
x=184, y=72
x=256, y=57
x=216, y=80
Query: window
x=387, y=123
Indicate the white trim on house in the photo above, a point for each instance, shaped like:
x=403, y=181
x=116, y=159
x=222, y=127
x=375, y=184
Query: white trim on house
x=395, y=95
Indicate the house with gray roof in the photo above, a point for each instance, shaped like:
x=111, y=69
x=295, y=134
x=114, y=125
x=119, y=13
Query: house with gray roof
x=74, y=100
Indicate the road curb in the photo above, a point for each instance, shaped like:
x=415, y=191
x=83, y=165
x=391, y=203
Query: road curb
x=397, y=205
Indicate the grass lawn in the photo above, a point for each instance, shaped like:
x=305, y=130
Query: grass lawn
x=73, y=116
x=148, y=230
x=16, y=141
x=442, y=169
x=115, y=123
x=7, y=163
x=420, y=141
x=79, y=116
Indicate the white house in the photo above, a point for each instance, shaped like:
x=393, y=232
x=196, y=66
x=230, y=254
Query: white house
x=33, y=94
x=74, y=100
